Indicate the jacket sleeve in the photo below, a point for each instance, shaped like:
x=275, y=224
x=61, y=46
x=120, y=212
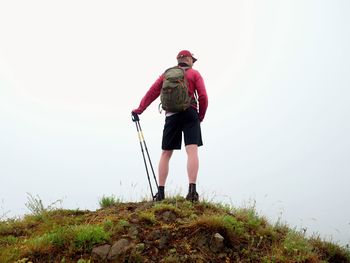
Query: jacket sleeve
x=202, y=96
x=150, y=96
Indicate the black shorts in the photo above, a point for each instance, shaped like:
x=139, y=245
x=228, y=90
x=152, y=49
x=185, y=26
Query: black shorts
x=186, y=122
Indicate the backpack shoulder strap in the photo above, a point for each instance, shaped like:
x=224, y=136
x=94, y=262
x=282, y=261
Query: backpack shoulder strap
x=171, y=68
x=177, y=66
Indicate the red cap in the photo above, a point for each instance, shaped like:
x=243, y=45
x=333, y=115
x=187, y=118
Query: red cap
x=186, y=53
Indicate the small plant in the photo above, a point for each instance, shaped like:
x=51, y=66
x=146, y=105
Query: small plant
x=225, y=222
x=108, y=201
x=117, y=227
x=8, y=240
x=232, y=224
x=57, y=238
x=216, y=206
x=160, y=207
x=330, y=251
x=41, y=244
x=123, y=223
x=108, y=225
x=36, y=206
x=3, y=214
x=81, y=237
x=175, y=200
x=249, y=217
x=86, y=236
x=147, y=217
x=297, y=246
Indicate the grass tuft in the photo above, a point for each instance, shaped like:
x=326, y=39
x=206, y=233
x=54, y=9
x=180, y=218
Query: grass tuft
x=80, y=238
x=86, y=236
x=108, y=201
x=297, y=247
x=147, y=217
x=36, y=207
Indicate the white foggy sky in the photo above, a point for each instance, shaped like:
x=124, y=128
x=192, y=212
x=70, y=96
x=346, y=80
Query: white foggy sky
x=277, y=126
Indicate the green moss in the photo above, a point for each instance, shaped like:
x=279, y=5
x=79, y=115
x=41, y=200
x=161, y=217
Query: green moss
x=82, y=237
x=147, y=217
x=297, y=247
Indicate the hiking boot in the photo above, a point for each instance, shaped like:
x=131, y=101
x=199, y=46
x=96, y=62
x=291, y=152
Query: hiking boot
x=192, y=193
x=192, y=196
x=159, y=196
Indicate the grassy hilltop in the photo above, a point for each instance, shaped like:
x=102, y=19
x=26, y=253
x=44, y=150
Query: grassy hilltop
x=173, y=230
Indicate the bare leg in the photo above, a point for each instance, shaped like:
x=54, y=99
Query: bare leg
x=192, y=162
x=163, y=167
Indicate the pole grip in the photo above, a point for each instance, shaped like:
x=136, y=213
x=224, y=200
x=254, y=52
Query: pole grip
x=134, y=116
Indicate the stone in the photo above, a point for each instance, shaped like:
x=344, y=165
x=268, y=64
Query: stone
x=133, y=232
x=101, y=252
x=155, y=235
x=164, y=239
x=119, y=249
x=217, y=243
x=169, y=216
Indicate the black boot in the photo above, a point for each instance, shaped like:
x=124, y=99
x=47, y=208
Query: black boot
x=160, y=195
x=192, y=193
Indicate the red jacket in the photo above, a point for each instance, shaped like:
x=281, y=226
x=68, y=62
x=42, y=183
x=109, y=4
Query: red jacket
x=195, y=83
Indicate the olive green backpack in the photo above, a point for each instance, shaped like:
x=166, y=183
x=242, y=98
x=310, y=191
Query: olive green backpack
x=174, y=93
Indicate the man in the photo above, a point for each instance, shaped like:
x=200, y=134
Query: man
x=176, y=123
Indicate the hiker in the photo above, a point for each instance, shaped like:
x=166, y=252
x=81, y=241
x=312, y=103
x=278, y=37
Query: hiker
x=177, y=121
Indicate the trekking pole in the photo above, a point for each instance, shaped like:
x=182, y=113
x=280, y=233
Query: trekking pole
x=149, y=158
x=136, y=119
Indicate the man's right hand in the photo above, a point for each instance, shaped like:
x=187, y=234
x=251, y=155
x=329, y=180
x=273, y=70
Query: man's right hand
x=134, y=116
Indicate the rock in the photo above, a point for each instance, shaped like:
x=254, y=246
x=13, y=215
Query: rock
x=154, y=235
x=133, y=232
x=119, y=249
x=101, y=252
x=164, y=239
x=219, y=237
x=217, y=243
x=169, y=216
